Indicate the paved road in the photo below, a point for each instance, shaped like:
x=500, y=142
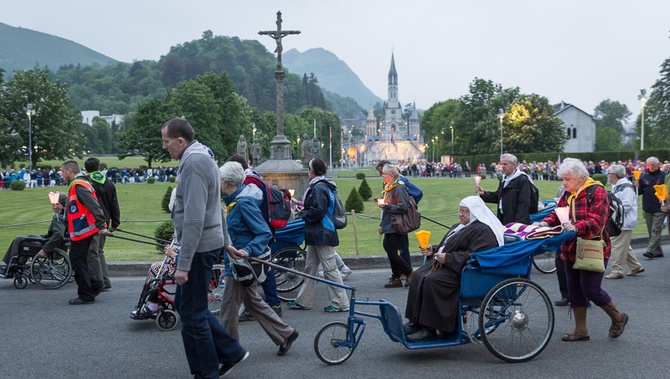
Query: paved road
x=43, y=337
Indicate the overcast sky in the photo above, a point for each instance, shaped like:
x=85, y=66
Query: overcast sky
x=577, y=51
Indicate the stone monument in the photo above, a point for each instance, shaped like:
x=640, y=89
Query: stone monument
x=256, y=153
x=280, y=170
x=242, y=148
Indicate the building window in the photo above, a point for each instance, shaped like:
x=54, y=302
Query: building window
x=569, y=134
x=574, y=132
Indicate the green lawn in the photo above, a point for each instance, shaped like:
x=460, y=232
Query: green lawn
x=28, y=211
x=112, y=161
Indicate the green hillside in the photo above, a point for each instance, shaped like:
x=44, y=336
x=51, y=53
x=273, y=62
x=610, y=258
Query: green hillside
x=22, y=49
x=334, y=74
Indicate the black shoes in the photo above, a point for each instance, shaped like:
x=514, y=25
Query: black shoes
x=562, y=303
x=227, y=368
x=649, y=255
x=410, y=328
x=423, y=334
x=284, y=348
x=80, y=301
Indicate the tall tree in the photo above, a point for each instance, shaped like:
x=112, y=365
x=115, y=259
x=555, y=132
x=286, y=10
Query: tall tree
x=657, y=111
x=611, y=114
x=54, y=128
x=532, y=127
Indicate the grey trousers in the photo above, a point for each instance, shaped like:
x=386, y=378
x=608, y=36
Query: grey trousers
x=622, y=252
x=655, y=229
x=234, y=294
x=97, y=260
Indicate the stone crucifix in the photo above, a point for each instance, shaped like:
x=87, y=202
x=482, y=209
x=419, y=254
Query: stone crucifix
x=277, y=35
x=280, y=147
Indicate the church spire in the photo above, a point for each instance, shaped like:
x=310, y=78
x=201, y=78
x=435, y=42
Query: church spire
x=393, y=75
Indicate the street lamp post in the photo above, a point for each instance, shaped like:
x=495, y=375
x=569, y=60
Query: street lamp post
x=30, y=112
x=501, y=114
x=452, y=137
x=298, y=156
x=643, y=99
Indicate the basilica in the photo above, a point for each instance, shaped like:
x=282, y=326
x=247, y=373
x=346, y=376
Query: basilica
x=392, y=138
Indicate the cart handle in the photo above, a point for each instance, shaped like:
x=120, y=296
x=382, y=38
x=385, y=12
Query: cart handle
x=282, y=268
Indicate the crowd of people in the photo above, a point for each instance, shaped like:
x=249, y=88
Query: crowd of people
x=207, y=231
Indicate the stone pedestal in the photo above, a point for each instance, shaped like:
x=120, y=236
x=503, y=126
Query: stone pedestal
x=285, y=173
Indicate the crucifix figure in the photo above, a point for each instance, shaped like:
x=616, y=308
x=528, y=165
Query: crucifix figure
x=280, y=147
x=277, y=35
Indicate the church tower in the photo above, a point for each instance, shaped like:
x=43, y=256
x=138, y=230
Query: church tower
x=414, y=123
x=371, y=124
x=393, y=125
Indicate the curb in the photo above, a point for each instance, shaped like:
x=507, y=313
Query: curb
x=355, y=262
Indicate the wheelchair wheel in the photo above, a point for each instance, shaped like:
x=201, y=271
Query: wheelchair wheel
x=52, y=271
x=167, y=320
x=325, y=343
x=545, y=262
x=521, y=318
x=288, y=283
x=20, y=282
x=215, y=294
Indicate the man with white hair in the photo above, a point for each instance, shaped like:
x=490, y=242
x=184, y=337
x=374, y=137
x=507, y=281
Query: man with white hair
x=651, y=206
x=513, y=195
x=622, y=252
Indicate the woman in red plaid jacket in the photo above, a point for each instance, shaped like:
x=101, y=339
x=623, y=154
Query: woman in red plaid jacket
x=590, y=215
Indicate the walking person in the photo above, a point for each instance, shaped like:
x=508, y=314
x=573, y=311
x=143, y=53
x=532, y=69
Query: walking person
x=588, y=215
x=196, y=214
x=106, y=192
x=321, y=238
x=396, y=201
x=653, y=215
x=85, y=220
x=622, y=252
x=250, y=236
x=513, y=195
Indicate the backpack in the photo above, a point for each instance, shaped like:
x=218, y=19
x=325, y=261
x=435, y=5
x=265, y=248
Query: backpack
x=338, y=214
x=279, y=208
x=412, y=189
x=615, y=213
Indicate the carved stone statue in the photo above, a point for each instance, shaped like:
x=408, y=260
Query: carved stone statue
x=306, y=153
x=316, y=148
x=242, y=148
x=256, y=153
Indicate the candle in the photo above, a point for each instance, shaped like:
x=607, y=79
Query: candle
x=53, y=197
x=477, y=179
x=563, y=214
x=380, y=201
x=291, y=192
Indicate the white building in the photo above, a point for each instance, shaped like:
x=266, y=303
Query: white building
x=88, y=116
x=579, y=126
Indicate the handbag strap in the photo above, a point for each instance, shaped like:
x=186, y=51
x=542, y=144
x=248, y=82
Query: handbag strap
x=574, y=217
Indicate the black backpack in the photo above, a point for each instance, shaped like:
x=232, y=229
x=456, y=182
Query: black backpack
x=534, y=197
x=279, y=208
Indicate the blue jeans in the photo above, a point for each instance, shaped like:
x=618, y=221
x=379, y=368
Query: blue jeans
x=270, y=289
x=206, y=343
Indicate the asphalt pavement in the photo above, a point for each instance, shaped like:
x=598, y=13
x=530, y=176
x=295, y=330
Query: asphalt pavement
x=44, y=337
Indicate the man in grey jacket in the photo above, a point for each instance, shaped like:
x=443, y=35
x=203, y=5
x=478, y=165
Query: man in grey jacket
x=196, y=214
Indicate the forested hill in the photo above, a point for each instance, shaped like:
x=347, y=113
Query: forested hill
x=334, y=75
x=22, y=49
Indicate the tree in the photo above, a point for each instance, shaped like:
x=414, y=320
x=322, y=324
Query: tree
x=531, y=126
x=657, y=111
x=364, y=190
x=611, y=114
x=608, y=139
x=54, y=128
x=354, y=202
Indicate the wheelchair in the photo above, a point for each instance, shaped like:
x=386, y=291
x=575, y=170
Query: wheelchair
x=51, y=272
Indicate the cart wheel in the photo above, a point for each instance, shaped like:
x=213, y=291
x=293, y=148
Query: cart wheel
x=325, y=343
x=215, y=294
x=287, y=282
x=167, y=319
x=19, y=281
x=52, y=271
x=545, y=262
x=518, y=318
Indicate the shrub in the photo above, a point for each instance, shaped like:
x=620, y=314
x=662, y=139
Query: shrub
x=354, y=202
x=144, y=167
x=171, y=179
x=18, y=185
x=165, y=203
x=103, y=166
x=360, y=175
x=164, y=231
x=602, y=178
x=151, y=180
x=364, y=190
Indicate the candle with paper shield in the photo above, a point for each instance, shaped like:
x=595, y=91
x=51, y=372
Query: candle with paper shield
x=563, y=214
x=291, y=191
x=380, y=201
x=661, y=192
x=477, y=179
x=53, y=197
x=423, y=236
x=636, y=174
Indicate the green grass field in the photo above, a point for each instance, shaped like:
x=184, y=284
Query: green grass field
x=112, y=161
x=29, y=211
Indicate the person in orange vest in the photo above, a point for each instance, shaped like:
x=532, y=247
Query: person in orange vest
x=85, y=219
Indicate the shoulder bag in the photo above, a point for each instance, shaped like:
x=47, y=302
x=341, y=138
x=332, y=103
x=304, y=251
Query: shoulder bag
x=589, y=255
x=409, y=221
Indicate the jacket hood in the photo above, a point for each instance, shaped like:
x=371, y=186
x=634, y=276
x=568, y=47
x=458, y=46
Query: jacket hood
x=98, y=177
x=250, y=191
